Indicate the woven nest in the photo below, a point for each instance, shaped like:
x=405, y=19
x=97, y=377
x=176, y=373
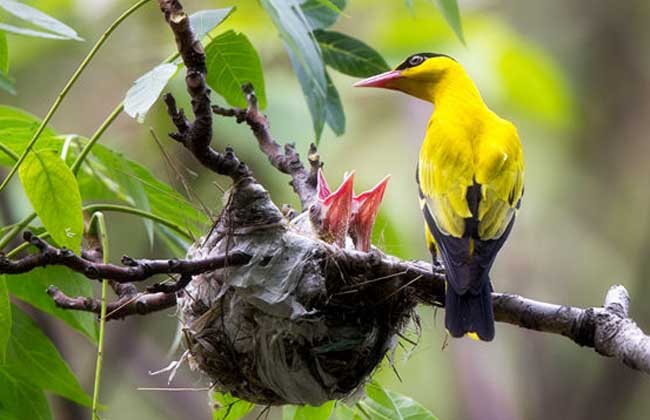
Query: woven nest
x=290, y=327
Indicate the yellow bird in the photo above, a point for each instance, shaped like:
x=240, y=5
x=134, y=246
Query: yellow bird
x=470, y=176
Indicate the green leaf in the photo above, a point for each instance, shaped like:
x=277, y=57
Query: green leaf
x=229, y=407
x=349, y=55
x=107, y=166
x=19, y=399
x=29, y=32
x=31, y=287
x=16, y=129
x=449, y=9
x=409, y=4
x=39, y=19
x=5, y=318
x=386, y=405
x=322, y=14
x=344, y=412
x=32, y=357
x=146, y=90
x=304, y=53
x=334, y=115
x=4, y=54
x=316, y=99
x=53, y=192
x=232, y=61
x=308, y=412
x=204, y=21
x=114, y=173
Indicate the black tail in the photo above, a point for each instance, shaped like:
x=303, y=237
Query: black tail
x=470, y=312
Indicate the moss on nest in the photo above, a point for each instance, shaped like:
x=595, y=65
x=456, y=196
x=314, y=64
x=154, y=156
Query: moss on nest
x=290, y=326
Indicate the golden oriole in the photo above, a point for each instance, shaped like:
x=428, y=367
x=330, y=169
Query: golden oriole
x=470, y=177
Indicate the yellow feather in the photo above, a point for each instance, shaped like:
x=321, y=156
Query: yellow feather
x=465, y=143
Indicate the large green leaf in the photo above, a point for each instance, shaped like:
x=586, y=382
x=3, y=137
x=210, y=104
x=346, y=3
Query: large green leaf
x=334, y=115
x=304, y=53
x=40, y=19
x=5, y=318
x=316, y=99
x=322, y=13
x=382, y=404
x=232, y=61
x=229, y=407
x=30, y=287
x=146, y=90
x=349, y=55
x=32, y=357
x=204, y=21
x=20, y=399
x=451, y=13
x=52, y=190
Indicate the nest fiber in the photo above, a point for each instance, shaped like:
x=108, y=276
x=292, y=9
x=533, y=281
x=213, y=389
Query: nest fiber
x=289, y=327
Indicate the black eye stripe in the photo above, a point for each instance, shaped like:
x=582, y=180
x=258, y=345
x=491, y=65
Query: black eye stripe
x=417, y=59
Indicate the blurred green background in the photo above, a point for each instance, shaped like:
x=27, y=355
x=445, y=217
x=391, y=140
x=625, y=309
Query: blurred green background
x=573, y=75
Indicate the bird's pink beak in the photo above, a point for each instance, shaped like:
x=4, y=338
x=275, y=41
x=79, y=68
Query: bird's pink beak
x=364, y=211
x=336, y=208
x=382, y=80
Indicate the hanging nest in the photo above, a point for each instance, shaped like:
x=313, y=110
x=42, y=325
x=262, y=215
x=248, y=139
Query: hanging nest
x=293, y=326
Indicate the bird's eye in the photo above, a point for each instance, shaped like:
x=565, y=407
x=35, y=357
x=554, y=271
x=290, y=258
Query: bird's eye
x=416, y=60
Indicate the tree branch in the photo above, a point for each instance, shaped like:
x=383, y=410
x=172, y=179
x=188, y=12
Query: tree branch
x=285, y=159
x=135, y=270
x=196, y=136
x=130, y=304
x=607, y=329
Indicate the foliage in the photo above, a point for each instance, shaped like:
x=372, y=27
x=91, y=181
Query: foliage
x=234, y=62
x=229, y=407
x=379, y=404
x=52, y=189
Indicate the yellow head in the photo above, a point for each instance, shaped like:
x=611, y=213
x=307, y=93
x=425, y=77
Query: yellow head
x=418, y=75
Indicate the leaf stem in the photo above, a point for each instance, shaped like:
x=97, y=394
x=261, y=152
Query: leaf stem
x=100, y=223
x=7, y=151
x=102, y=39
x=137, y=212
x=95, y=137
x=16, y=230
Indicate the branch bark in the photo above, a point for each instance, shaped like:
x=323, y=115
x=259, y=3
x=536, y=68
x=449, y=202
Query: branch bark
x=134, y=270
x=286, y=160
x=607, y=329
x=196, y=136
x=131, y=304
